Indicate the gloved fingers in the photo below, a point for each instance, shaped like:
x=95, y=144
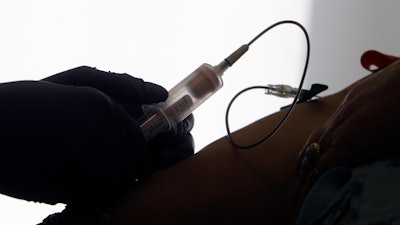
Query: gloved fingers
x=120, y=87
x=173, y=146
x=134, y=110
x=176, y=135
x=180, y=131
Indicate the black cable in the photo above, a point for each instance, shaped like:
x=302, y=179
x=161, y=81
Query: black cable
x=267, y=137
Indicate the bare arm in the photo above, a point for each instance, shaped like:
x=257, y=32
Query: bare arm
x=224, y=185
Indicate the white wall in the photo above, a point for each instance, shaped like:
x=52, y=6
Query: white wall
x=342, y=30
x=159, y=41
x=163, y=41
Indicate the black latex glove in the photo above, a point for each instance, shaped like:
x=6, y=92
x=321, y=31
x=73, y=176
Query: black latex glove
x=167, y=148
x=70, y=137
x=128, y=91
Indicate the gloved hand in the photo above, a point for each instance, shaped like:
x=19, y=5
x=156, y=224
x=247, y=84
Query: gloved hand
x=128, y=91
x=131, y=93
x=74, y=136
x=167, y=148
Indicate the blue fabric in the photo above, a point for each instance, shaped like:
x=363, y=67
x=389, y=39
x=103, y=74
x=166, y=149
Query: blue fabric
x=376, y=194
x=328, y=199
x=368, y=195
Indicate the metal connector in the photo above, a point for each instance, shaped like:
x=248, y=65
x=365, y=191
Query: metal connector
x=281, y=90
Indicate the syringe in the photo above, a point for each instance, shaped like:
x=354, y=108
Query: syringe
x=186, y=96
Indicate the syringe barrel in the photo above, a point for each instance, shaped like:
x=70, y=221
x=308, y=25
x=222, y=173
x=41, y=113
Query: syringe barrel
x=186, y=96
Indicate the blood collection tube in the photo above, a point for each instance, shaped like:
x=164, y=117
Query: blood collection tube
x=186, y=96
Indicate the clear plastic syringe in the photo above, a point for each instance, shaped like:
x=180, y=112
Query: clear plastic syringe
x=186, y=96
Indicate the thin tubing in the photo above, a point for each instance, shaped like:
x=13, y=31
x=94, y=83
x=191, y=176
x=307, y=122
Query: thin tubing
x=267, y=137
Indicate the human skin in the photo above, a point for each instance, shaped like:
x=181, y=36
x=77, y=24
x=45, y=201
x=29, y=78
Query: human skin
x=222, y=184
x=225, y=185
x=362, y=129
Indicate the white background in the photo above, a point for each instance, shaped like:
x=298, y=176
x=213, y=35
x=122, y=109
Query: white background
x=163, y=41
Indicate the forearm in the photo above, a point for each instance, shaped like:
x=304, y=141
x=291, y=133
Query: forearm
x=224, y=185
